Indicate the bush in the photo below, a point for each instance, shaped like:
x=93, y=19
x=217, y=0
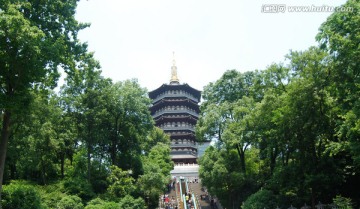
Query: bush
x=343, y=202
x=70, y=202
x=98, y=203
x=260, y=200
x=50, y=200
x=19, y=195
x=129, y=202
x=79, y=187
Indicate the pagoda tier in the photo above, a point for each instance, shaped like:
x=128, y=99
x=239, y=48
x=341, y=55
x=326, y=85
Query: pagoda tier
x=172, y=91
x=163, y=103
x=180, y=119
x=174, y=136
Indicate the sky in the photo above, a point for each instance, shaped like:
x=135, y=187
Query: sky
x=137, y=38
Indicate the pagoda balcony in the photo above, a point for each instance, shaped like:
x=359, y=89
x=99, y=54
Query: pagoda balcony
x=174, y=96
x=173, y=153
x=184, y=145
x=179, y=128
x=162, y=112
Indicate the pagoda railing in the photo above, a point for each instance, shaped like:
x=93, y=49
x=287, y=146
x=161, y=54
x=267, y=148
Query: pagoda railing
x=161, y=112
x=181, y=152
x=179, y=128
x=183, y=145
x=173, y=96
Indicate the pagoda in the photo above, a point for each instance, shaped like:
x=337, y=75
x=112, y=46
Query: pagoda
x=175, y=109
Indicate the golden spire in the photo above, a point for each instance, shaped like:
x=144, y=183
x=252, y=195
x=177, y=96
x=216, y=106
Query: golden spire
x=174, y=79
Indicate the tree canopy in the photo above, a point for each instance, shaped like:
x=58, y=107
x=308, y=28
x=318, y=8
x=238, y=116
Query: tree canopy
x=288, y=134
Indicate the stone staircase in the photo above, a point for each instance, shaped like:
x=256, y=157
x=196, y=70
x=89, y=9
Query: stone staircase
x=194, y=186
x=201, y=195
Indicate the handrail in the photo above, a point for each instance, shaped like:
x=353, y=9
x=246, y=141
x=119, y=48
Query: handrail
x=189, y=128
x=185, y=207
x=180, y=187
x=187, y=186
x=195, y=201
x=175, y=146
x=176, y=192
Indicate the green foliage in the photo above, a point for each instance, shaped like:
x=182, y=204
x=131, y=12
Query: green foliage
x=120, y=183
x=220, y=173
x=343, y=202
x=129, y=202
x=78, y=142
x=155, y=136
x=79, y=187
x=36, y=38
x=160, y=155
x=20, y=195
x=157, y=167
x=260, y=200
x=70, y=202
x=98, y=203
x=51, y=199
x=293, y=126
x=152, y=183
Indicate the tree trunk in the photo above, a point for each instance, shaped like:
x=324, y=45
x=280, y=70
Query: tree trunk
x=43, y=172
x=113, y=149
x=114, y=141
x=89, y=161
x=62, y=163
x=273, y=155
x=241, y=154
x=13, y=171
x=5, y=132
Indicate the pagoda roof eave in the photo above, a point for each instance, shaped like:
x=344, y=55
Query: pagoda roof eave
x=175, y=118
x=154, y=92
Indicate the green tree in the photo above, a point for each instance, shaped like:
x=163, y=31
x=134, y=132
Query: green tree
x=152, y=183
x=338, y=37
x=129, y=202
x=70, y=202
x=20, y=195
x=156, y=136
x=98, y=203
x=129, y=123
x=35, y=39
x=120, y=183
x=260, y=200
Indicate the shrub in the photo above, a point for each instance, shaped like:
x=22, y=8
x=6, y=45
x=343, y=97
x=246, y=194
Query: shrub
x=129, y=202
x=98, y=203
x=19, y=195
x=260, y=200
x=70, y=202
x=343, y=202
x=79, y=187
